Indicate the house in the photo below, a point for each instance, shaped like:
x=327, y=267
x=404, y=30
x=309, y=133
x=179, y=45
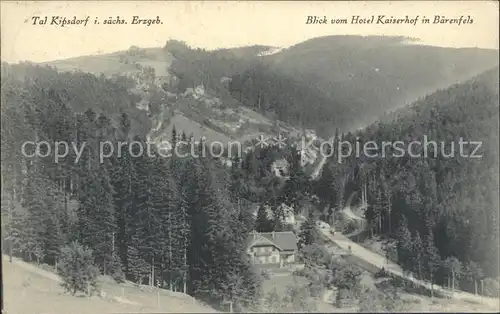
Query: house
x=280, y=167
x=196, y=92
x=272, y=249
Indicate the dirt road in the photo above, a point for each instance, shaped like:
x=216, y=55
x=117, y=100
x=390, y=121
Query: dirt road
x=379, y=261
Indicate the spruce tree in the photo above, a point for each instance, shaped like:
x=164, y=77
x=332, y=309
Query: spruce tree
x=432, y=258
x=404, y=245
x=309, y=232
x=263, y=223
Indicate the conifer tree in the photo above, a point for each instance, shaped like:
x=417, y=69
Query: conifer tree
x=309, y=233
x=263, y=223
x=432, y=258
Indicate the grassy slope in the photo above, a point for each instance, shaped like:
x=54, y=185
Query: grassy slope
x=114, y=63
x=29, y=290
x=184, y=124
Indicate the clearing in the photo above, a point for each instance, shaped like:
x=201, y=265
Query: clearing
x=31, y=290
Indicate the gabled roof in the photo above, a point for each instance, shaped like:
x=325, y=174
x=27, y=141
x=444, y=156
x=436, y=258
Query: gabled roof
x=259, y=240
x=284, y=241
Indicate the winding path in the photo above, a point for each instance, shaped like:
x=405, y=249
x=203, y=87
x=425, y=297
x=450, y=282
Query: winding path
x=378, y=262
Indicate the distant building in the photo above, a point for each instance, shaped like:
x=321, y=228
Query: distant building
x=280, y=168
x=272, y=249
x=188, y=92
x=199, y=90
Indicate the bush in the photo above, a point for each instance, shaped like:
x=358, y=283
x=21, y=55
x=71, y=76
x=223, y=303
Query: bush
x=265, y=274
x=298, y=299
x=345, y=298
x=315, y=255
x=382, y=274
x=347, y=277
x=349, y=226
x=302, y=272
x=317, y=287
x=381, y=301
x=272, y=302
x=77, y=269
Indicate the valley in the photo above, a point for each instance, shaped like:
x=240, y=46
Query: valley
x=171, y=234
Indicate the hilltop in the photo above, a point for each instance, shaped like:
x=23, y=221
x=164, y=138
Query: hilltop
x=322, y=83
x=182, y=223
x=126, y=62
x=354, y=79
x=440, y=206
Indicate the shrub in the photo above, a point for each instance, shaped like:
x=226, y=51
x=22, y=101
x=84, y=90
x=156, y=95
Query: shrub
x=265, y=274
x=272, y=302
x=347, y=277
x=345, y=298
x=349, y=226
x=77, y=270
x=315, y=255
x=302, y=272
x=298, y=299
x=381, y=301
x=317, y=287
x=382, y=274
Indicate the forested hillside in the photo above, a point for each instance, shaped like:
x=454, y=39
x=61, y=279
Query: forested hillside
x=441, y=208
x=328, y=82
x=374, y=74
x=183, y=223
x=323, y=83
x=173, y=221
x=79, y=91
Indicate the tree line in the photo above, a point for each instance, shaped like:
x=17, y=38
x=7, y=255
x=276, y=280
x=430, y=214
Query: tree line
x=176, y=222
x=442, y=210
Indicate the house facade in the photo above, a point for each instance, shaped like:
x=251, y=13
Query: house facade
x=272, y=249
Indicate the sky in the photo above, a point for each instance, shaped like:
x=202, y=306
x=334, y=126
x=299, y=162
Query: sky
x=221, y=24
